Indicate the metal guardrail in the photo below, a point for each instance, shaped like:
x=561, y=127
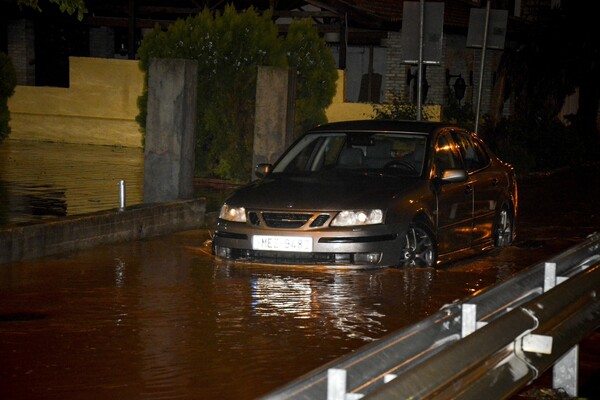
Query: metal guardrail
x=490, y=345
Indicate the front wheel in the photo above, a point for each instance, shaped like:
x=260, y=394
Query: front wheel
x=419, y=247
x=503, y=228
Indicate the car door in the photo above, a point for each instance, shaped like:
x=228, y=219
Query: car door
x=486, y=184
x=454, y=208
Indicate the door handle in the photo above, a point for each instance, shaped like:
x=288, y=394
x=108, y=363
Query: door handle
x=495, y=181
x=468, y=189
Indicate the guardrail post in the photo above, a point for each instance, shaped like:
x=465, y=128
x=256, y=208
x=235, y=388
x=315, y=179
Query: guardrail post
x=469, y=319
x=549, y=276
x=565, y=371
x=336, y=384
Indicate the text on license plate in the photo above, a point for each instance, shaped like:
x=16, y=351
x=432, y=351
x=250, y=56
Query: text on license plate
x=282, y=243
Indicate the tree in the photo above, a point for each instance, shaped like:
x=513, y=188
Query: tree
x=560, y=53
x=8, y=82
x=69, y=6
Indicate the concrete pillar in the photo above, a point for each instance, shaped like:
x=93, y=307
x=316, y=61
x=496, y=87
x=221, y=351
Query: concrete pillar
x=170, y=130
x=274, y=115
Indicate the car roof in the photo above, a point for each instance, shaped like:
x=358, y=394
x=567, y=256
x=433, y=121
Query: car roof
x=381, y=125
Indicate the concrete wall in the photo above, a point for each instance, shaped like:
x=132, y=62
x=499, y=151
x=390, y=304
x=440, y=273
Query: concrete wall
x=99, y=107
x=80, y=232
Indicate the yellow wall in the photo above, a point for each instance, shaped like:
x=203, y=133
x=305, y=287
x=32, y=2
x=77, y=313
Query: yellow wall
x=99, y=107
x=340, y=111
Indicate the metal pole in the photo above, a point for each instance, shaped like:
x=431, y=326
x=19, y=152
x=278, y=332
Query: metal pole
x=121, y=195
x=483, y=47
x=420, y=67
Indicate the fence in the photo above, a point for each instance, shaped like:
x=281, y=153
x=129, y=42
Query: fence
x=488, y=346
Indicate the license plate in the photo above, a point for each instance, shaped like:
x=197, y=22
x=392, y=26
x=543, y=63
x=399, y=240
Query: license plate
x=282, y=243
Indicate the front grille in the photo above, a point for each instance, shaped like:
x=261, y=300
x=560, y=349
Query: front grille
x=288, y=220
x=285, y=220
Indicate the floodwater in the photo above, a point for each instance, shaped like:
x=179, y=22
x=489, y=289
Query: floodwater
x=161, y=319
x=40, y=181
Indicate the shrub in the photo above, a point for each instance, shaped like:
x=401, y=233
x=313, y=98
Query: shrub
x=8, y=82
x=228, y=48
x=398, y=109
x=539, y=145
x=316, y=74
x=459, y=114
x=509, y=140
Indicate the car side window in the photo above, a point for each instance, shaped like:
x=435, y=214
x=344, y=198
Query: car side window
x=473, y=155
x=483, y=159
x=445, y=156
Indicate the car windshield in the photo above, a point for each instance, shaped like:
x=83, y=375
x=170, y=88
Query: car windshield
x=398, y=154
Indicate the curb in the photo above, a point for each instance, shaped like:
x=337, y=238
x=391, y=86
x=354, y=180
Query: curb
x=84, y=231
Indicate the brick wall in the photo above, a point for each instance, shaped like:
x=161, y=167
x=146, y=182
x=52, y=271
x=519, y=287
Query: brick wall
x=21, y=50
x=456, y=58
x=395, y=73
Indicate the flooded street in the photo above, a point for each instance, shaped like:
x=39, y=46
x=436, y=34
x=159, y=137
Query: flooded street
x=161, y=319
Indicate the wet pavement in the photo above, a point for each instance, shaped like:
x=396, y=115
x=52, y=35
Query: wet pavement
x=161, y=319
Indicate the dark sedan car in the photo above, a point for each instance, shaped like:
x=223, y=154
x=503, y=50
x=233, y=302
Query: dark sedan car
x=373, y=193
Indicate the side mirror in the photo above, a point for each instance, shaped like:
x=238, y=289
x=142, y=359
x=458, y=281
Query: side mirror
x=454, y=175
x=262, y=170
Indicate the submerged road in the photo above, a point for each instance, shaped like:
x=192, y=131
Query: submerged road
x=161, y=319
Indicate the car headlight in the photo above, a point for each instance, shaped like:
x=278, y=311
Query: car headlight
x=358, y=217
x=230, y=213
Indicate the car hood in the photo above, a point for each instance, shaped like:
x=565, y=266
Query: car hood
x=331, y=191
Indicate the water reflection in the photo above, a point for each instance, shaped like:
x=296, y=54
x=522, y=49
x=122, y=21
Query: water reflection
x=317, y=305
x=32, y=200
x=339, y=304
x=4, y=205
x=120, y=269
x=43, y=180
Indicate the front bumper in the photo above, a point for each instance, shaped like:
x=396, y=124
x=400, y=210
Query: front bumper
x=354, y=248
